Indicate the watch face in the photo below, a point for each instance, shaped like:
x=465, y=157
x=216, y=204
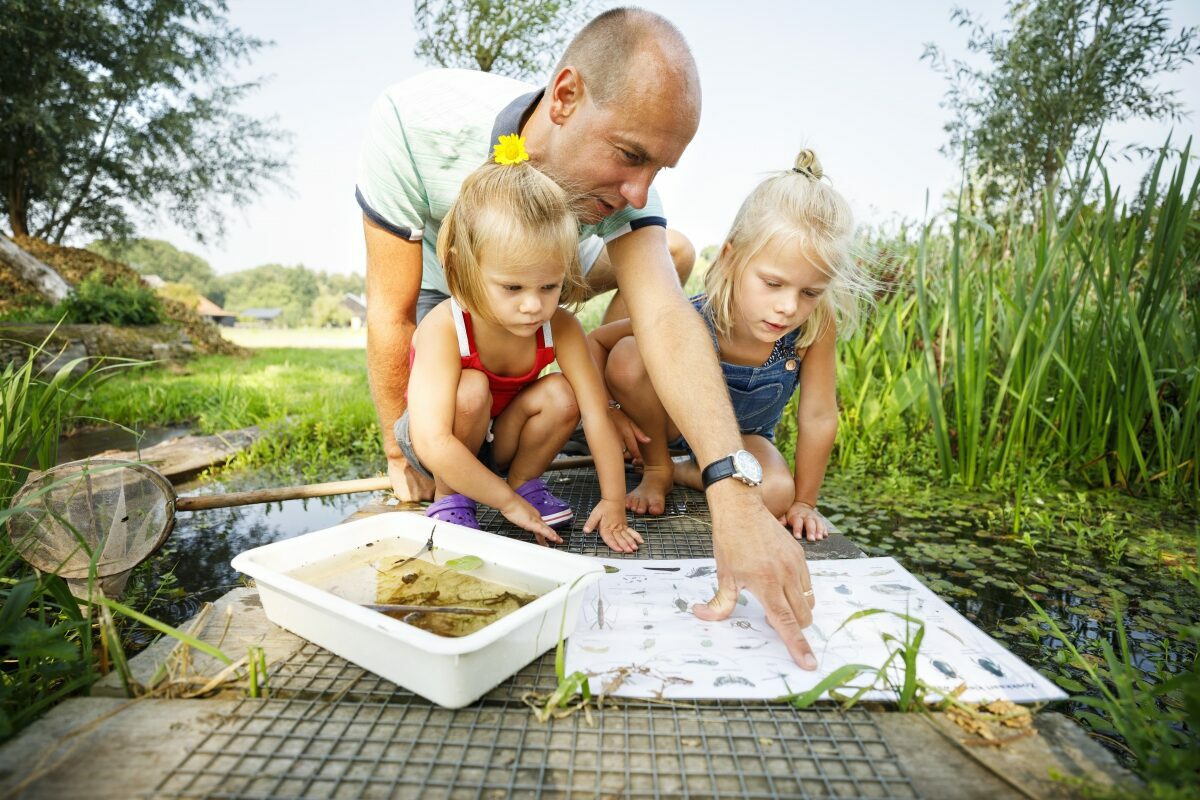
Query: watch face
x=747, y=466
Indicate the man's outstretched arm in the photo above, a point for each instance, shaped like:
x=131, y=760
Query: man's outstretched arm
x=751, y=548
x=393, y=284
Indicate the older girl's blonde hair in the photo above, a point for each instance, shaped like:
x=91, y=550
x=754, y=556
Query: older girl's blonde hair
x=514, y=210
x=794, y=205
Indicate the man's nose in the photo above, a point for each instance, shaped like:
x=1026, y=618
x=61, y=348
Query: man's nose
x=636, y=189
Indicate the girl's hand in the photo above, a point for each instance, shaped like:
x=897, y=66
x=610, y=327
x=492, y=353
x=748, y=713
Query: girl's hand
x=520, y=513
x=631, y=435
x=805, y=522
x=609, y=515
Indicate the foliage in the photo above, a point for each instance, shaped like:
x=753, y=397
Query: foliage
x=1054, y=78
x=156, y=257
x=1064, y=347
x=314, y=405
x=122, y=302
x=47, y=641
x=1154, y=721
x=517, y=38
x=110, y=109
x=293, y=289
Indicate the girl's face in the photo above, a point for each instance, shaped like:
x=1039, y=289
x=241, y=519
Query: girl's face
x=778, y=290
x=522, y=293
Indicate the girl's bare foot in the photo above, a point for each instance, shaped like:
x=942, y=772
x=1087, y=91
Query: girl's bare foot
x=650, y=497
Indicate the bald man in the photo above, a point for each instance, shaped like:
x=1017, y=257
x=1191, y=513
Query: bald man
x=623, y=103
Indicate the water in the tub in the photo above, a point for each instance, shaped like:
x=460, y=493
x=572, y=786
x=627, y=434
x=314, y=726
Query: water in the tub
x=470, y=593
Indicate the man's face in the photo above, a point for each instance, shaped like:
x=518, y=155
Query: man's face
x=612, y=153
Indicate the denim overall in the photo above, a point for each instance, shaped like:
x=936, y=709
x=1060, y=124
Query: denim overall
x=758, y=394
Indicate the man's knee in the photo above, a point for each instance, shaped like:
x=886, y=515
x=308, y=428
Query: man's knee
x=474, y=394
x=683, y=254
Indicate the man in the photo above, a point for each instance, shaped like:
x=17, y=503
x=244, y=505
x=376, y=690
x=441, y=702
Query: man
x=623, y=103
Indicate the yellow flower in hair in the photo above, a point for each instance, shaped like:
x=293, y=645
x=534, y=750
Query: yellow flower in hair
x=510, y=150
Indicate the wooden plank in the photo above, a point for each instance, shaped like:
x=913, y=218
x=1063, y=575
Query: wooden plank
x=236, y=623
x=184, y=457
x=100, y=748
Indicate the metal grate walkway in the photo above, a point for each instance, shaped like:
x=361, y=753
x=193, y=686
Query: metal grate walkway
x=333, y=730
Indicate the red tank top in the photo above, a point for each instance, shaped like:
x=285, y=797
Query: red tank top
x=504, y=387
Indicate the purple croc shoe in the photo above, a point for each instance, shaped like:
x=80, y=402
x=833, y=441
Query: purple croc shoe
x=554, y=511
x=457, y=509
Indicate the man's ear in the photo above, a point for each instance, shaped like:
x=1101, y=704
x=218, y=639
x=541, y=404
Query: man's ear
x=566, y=94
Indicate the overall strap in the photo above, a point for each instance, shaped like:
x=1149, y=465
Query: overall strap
x=462, y=329
x=546, y=336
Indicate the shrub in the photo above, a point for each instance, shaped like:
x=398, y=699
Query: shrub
x=96, y=300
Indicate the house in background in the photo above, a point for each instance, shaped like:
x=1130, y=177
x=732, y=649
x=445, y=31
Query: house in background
x=214, y=313
x=264, y=317
x=357, y=306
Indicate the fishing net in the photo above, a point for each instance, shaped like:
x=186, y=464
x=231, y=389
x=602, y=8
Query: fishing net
x=92, y=521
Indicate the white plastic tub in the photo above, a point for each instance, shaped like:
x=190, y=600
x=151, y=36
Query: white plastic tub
x=324, y=607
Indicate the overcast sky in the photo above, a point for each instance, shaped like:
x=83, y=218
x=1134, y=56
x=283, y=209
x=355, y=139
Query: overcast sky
x=845, y=79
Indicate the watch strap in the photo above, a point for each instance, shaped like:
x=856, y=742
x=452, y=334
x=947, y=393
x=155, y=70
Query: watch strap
x=718, y=470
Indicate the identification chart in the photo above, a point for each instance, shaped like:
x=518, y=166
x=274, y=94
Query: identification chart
x=637, y=636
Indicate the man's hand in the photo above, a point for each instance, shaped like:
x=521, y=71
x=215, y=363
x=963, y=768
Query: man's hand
x=409, y=485
x=755, y=552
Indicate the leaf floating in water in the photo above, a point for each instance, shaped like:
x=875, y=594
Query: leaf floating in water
x=465, y=563
x=842, y=588
x=891, y=588
x=945, y=669
x=730, y=680
x=990, y=666
x=610, y=569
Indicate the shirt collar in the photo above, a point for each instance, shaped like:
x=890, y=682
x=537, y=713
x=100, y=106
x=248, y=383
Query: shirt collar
x=508, y=121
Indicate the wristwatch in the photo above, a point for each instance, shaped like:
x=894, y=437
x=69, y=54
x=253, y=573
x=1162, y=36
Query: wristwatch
x=740, y=464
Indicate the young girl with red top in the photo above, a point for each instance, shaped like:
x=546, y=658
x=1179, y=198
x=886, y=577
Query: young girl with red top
x=508, y=245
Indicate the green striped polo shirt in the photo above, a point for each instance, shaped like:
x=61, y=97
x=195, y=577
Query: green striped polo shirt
x=426, y=134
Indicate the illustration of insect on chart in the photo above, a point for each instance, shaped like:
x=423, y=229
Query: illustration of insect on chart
x=637, y=636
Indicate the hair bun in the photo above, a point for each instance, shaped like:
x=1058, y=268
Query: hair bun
x=808, y=165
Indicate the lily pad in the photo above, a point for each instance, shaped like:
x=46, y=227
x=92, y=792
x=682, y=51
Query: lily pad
x=465, y=563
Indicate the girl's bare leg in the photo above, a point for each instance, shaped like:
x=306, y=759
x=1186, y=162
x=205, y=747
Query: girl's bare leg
x=630, y=385
x=778, y=487
x=472, y=413
x=534, y=428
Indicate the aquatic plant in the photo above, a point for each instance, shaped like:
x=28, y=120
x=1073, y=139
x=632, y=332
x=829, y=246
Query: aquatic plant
x=1153, y=721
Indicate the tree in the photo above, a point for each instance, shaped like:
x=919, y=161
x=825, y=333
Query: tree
x=112, y=108
x=156, y=257
x=517, y=38
x=1057, y=75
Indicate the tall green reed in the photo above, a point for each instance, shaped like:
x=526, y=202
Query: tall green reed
x=1064, y=345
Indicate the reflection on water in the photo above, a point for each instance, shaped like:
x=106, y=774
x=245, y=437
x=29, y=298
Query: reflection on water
x=203, y=543
x=97, y=440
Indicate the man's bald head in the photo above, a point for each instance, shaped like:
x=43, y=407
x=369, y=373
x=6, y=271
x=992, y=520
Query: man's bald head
x=630, y=50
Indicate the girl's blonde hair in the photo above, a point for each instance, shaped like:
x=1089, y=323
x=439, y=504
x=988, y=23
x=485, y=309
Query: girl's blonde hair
x=795, y=205
x=516, y=211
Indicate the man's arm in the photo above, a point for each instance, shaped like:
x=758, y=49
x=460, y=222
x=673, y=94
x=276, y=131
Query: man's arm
x=751, y=548
x=393, y=284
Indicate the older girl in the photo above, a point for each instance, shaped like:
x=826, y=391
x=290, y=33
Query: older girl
x=782, y=287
